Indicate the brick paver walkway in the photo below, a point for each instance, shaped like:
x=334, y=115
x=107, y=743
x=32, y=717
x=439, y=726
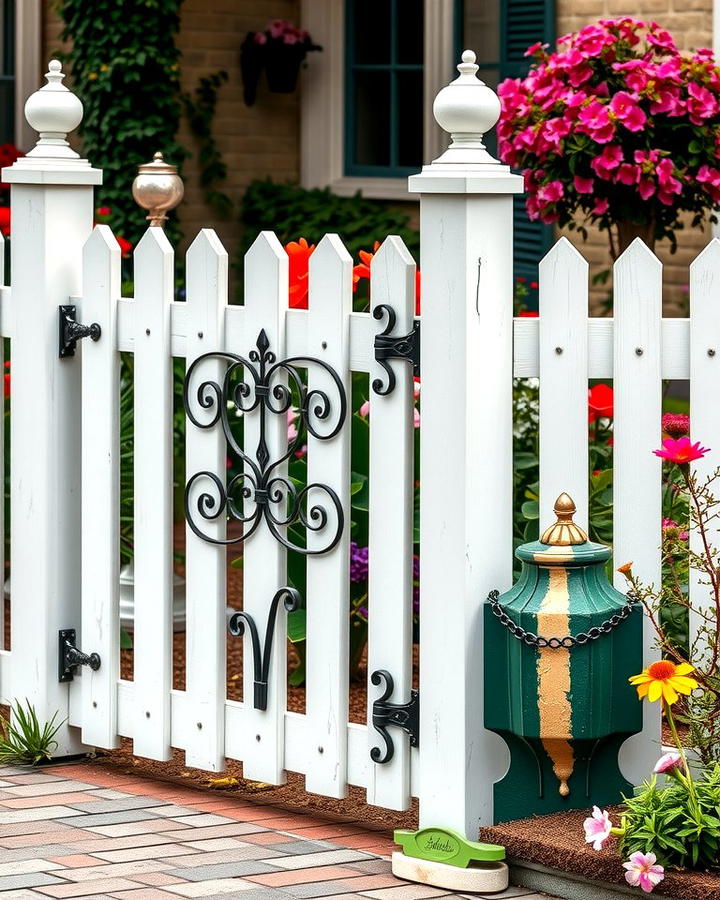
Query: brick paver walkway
x=82, y=831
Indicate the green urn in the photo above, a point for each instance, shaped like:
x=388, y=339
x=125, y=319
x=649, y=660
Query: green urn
x=560, y=646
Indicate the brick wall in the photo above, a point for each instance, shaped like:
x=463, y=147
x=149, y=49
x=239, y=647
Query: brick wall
x=690, y=23
x=257, y=141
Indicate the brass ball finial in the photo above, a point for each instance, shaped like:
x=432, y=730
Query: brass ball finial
x=157, y=188
x=564, y=532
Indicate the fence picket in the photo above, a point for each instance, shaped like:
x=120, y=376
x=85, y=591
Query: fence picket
x=205, y=570
x=391, y=525
x=636, y=487
x=264, y=558
x=153, y=452
x=563, y=278
x=328, y=574
x=3, y=439
x=101, y=490
x=704, y=413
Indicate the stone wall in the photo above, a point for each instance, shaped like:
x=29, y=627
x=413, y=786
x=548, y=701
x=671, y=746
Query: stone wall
x=690, y=23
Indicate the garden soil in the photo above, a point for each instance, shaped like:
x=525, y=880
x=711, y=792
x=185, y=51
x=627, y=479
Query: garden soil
x=557, y=841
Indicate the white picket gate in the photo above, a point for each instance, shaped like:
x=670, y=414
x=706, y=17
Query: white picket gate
x=65, y=466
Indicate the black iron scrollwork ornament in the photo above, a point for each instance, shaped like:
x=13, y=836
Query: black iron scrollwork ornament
x=261, y=492
x=402, y=715
x=405, y=347
x=261, y=659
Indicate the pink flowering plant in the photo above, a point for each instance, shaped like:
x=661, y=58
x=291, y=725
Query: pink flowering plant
x=616, y=128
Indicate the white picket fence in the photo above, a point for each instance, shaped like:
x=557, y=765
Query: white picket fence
x=65, y=471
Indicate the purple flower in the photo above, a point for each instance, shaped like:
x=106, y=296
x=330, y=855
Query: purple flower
x=358, y=562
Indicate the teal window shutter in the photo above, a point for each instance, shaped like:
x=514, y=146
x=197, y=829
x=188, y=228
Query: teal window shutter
x=7, y=71
x=522, y=23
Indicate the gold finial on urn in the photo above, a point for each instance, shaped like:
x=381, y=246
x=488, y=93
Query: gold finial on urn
x=564, y=533
x=157, y=188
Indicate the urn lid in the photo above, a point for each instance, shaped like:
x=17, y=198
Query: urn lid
x=564, y=543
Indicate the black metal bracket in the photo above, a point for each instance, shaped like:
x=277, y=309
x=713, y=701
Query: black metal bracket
x=70, y=656
x=261, y=661
x=71, y=331
x=401, y=715
x=262, y=491
x=405, y=347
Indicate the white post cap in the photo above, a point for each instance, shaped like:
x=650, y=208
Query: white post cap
x=53, y=111
x=468, y=109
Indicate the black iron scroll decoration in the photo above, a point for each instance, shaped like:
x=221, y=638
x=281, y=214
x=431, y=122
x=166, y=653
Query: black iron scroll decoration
x=401, y=715
x=258, y=383
x=261, y=659
x=405, y=347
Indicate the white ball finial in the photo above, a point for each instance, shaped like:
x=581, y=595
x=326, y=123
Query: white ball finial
x=468, y=109
x=53, y=111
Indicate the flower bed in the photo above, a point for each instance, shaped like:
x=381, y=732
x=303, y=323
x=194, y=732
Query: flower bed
x=555, y=842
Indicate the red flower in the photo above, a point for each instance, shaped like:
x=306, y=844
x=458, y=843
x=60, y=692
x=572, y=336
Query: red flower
x=125, y=246
x=5, y=220
x=362, y=270
x=299, y=253
x=102, y=211
x=681, y=450
x=528, y=314
x=600, y=402
x=676, y=425
x=7, y=379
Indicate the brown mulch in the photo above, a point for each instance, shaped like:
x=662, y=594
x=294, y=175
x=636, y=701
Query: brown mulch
x=557, y=841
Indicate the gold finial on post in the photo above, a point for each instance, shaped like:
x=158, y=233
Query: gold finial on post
x=564, y=532
x=157, y=188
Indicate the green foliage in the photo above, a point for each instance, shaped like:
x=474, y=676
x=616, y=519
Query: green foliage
x=669, y=823
x=200, y=110
x=23, y=740
x=293, y=212
x=125, y=69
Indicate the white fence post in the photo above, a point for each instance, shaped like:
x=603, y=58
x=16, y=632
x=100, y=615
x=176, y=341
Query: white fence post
x=466, y=448
x=52, y=215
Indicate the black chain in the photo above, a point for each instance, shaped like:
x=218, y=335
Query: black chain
x=534, y=640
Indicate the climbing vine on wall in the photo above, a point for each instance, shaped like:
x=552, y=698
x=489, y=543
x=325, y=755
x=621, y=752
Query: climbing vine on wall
x=200, y=110
x=125, y=68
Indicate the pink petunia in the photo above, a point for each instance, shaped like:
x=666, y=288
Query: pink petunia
x=601, y=206
x=551, y=192
x=643, y=872
x=597, y=828
x=604, y=164
x=626, y=108
x=668, y=762
x=583, y=185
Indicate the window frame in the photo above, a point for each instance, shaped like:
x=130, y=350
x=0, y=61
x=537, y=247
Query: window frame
x=322, y=131
x=393, y=68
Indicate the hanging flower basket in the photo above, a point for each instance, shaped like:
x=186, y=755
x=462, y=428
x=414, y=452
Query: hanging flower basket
x=281, y=50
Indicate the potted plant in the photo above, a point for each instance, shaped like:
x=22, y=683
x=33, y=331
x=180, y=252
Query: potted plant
x=280, y=49
x=616, y=128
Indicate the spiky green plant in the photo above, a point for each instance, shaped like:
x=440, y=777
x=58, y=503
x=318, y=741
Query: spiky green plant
x=23, y=740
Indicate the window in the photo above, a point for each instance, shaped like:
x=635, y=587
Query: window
x=7, y=71
x=384, y=87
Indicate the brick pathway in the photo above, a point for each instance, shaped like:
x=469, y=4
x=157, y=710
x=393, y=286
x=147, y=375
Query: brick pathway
x=82, y=831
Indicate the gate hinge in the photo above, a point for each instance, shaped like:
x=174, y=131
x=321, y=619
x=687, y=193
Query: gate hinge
x=401, y=715
x=405, y=347
x=70, y=656
x=71, y=331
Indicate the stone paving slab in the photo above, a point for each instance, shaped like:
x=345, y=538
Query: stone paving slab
x=81, y=831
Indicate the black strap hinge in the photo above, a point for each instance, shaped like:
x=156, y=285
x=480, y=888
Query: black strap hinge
x=70, y=656
x=401, y=715
x=71, y=331
x=405, y=347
